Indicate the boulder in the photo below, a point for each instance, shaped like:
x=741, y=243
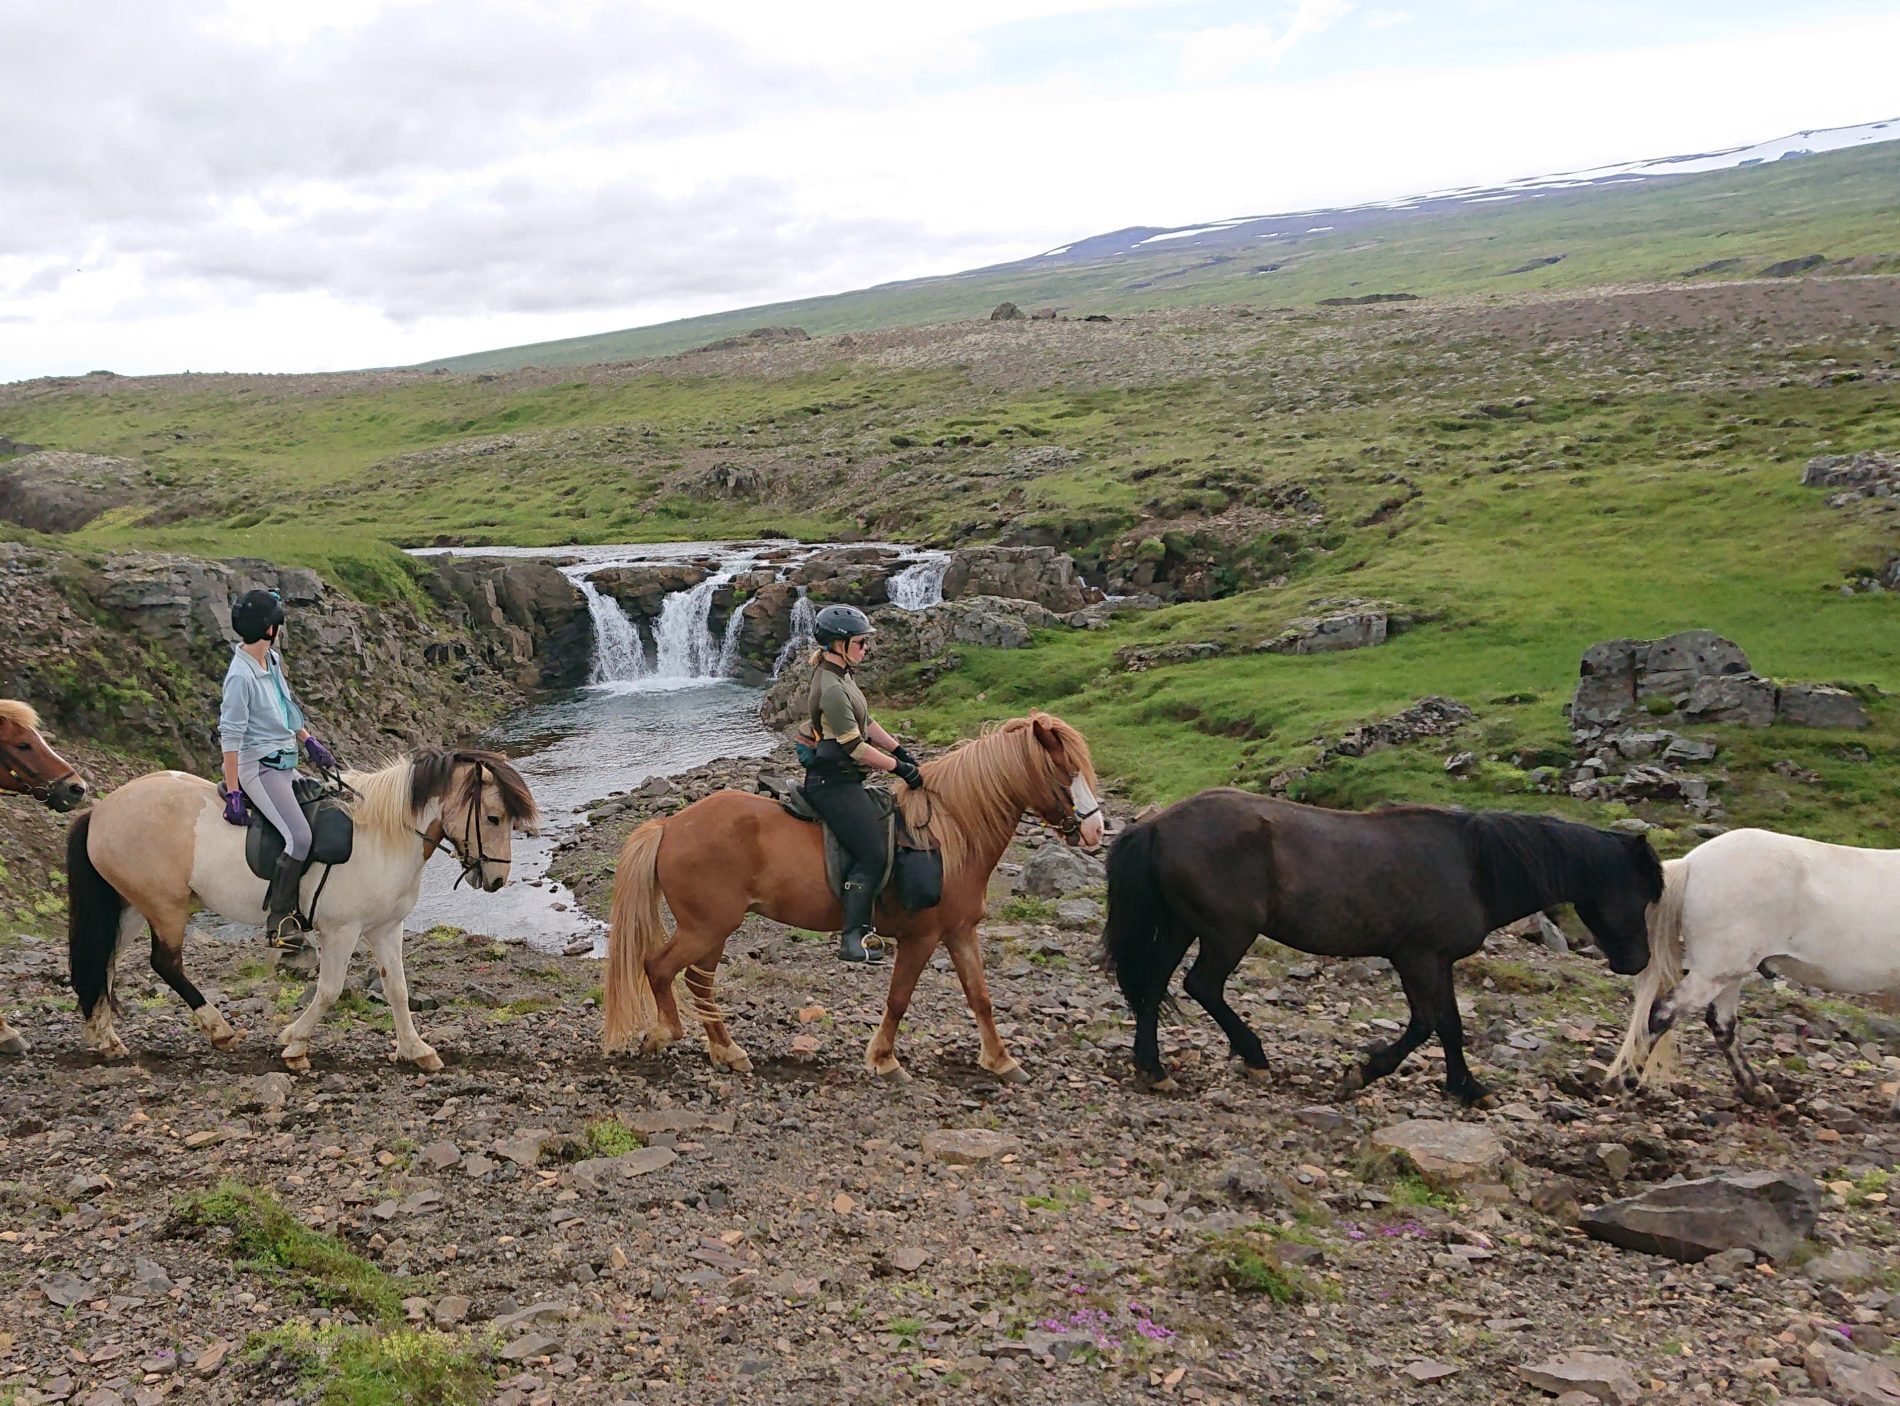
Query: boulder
x=1817, y=705
x=1326, y=634
x=965, y=1147
x=1768, y=1212
x=1039, y=574
x=1007, y=312
x=1852, y=477
x=1746, y=699
x=1443, y=1153
x=1854, y=1378
x=533, y=622
x=1057, y=870
x=854, y=575
x=1597, y=1375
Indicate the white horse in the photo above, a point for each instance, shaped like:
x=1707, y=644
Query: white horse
x=158, y=847
x=1825, y=915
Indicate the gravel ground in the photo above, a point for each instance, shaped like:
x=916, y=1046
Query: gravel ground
x=590, y=1230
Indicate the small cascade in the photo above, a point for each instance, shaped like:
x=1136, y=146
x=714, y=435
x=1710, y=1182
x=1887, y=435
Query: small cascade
x=619, y=657
x=684, y=647
x=802, y=639
x=920, y=585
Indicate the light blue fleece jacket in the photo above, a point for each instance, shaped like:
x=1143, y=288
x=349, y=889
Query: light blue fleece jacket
x=259, y=717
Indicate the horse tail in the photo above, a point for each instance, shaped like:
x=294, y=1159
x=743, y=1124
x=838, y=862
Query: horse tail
x=637, y=932
x=1637, y=1059
x=1138, y=913
x=93, y=911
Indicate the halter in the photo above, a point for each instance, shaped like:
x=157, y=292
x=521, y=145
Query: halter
x=442, y=842
x=1070, y=824
x=27, y=786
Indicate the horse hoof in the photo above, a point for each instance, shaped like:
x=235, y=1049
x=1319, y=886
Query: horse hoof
x=1762, y=1096
x=1164, y=1085
x=732, y=1058
x=1258, y=1075
x=230, y=1040
x=896, y=1074
x=1350, y=1083
x=429, y=1062
x=14, y=1044
x=297, y=1064
x=1012, y=1073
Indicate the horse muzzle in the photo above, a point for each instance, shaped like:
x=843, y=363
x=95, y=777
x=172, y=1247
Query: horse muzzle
x=67, y=794
x=495, y=883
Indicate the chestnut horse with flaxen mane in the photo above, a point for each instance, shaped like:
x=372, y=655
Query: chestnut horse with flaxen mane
x=735, y=853
x=29, y=767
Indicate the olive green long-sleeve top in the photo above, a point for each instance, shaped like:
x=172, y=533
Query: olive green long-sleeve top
x=838, y=711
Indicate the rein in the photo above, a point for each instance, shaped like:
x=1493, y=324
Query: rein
x=27, y=786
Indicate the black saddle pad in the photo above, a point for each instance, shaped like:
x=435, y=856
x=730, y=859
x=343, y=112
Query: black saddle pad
x=332, y=832
x=792, y=799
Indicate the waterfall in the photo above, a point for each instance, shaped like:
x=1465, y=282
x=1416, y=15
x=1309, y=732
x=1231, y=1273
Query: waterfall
x=920, y=585
x=619, y=657
x=682, y=637
x=801, y=639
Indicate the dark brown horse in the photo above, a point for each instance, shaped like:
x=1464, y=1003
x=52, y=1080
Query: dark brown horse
x=29, y=767
x=1417, y=885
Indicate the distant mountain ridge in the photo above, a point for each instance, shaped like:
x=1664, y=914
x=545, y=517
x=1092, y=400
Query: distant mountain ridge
x=1835, y=207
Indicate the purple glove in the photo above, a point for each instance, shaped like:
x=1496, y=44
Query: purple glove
x=235, y=810
x=321, y=757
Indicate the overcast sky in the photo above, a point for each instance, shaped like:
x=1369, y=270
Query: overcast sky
x=318, y=184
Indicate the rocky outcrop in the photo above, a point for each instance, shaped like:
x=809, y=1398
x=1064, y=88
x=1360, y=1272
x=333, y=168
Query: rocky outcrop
x=1058, y=870
x=1007, y=312
x=853, y=575
x=1039, y=574
x=132, y=649
x=642, y=590
x=1771, y=1213
x=529, y=622
x=757, y=337
x=1354, y=624
x=57, y=491
x=1851, y=477
x=1695, y=676
x=1429, y=717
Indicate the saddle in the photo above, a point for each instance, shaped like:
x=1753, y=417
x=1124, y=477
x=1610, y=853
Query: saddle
x=912, y=858
x=332, y=832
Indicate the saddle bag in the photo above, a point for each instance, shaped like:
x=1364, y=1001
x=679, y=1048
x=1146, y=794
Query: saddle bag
x=918, y=874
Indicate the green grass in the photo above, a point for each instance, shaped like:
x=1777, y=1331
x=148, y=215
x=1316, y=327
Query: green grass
x=267, y=1238
x=352, y=1366
x=609, y=1137
x=1244, y=1261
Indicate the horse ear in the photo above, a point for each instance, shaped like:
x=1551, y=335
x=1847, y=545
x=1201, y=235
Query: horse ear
x=1045, y=734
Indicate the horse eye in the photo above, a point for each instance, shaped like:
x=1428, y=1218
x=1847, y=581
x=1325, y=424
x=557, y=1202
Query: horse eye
x=494, y=820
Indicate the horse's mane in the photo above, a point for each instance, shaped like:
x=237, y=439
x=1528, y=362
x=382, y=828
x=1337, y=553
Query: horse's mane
x=1544, y=856
x=392, y=796
x=12, y=710
x=975, y=794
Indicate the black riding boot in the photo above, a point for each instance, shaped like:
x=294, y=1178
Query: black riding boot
x=284, y=925
x=858, y=901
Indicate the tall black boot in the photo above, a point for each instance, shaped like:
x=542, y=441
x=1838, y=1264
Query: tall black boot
x=858, y=902
x=284, y=925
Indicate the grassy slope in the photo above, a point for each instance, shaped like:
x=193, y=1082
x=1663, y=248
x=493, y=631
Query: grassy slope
x=1839, y=204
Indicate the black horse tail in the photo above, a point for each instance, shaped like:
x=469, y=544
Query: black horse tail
x=1132, y=945
x=93, y=909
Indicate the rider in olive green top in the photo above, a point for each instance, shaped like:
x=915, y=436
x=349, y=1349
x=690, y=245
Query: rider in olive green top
x=847, y=741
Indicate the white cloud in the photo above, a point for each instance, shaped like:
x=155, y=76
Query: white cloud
x=1383, y=18
x=1214, y=55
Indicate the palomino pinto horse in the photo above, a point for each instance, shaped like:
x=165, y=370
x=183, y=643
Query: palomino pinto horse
x=158, y=847
x=1756, y=900
x=1417, y=885
x=735, y=853
x=28, y=767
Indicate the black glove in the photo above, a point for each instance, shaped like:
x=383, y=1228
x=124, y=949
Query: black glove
x=906, y=772
x=904, y=755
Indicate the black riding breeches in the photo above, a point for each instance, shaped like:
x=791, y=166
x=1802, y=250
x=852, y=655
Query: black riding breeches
x=853, y=817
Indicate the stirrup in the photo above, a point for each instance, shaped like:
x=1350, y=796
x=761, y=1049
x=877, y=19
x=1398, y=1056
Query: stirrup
x=290, y=933
x=866, y=943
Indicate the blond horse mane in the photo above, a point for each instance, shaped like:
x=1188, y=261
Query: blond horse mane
x=12, y=710
x=392, y=797
x=974, y=796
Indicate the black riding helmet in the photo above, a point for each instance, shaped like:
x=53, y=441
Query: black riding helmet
x=840, y=622
x=255, y=613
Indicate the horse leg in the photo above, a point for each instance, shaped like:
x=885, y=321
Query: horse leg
x=1419, y=978
x=1174, y=941
x=913, y=954
x=687, y=949
x=334, y=946
x=12, y=1041
x=966, y=955
x=1722, y=1017
x=385, y=945
x=721, y=1048
x=1697, y=992
x=1207, y=984
x=168, y=960
x=100, y=1036
x=1451, y=1034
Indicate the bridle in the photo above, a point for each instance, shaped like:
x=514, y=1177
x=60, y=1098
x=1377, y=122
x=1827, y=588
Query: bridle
x=25, y=785
x=1069, y=823
x=475, y=874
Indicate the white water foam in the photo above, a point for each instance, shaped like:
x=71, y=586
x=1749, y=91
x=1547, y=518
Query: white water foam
x=920, y=585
